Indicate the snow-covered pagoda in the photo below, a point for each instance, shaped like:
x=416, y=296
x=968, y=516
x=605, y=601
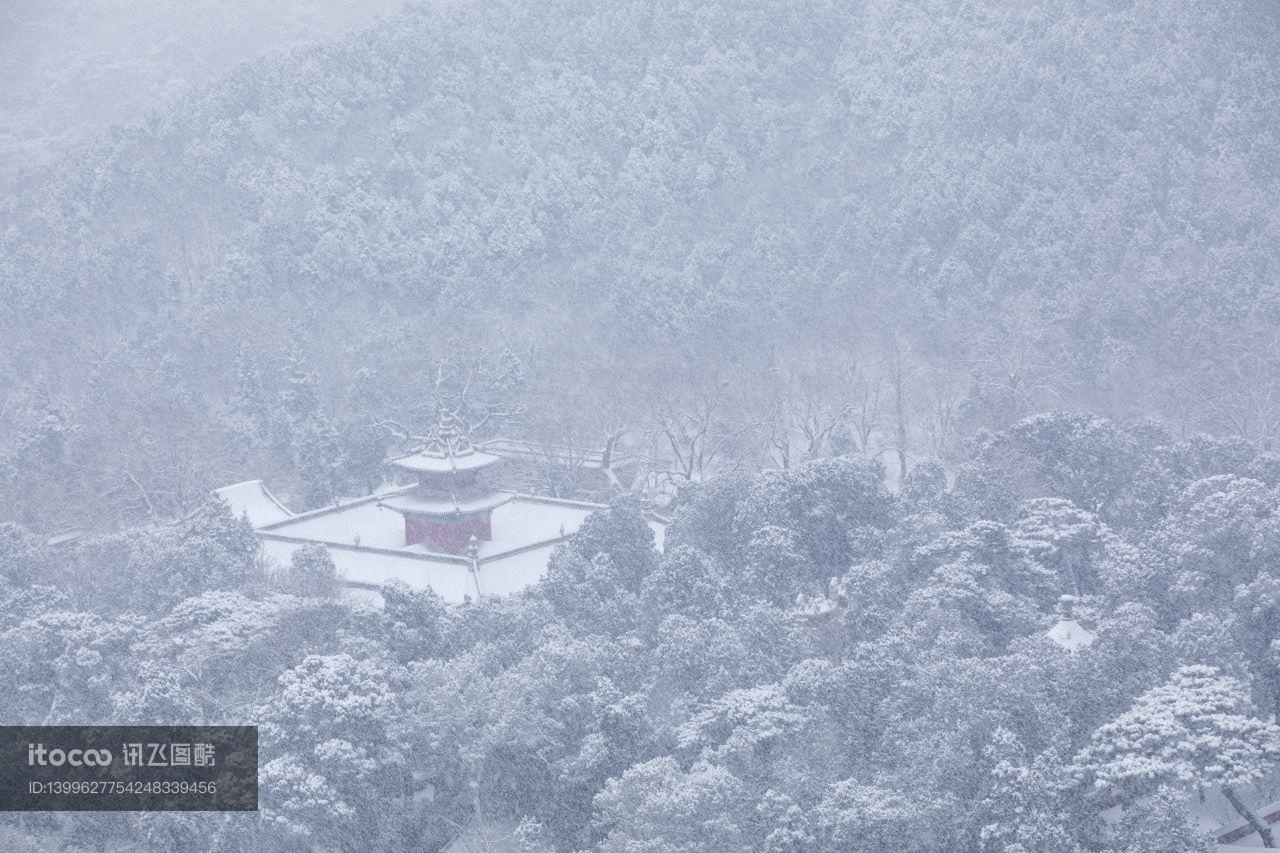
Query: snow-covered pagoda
x=449, y=530
x=451, y=505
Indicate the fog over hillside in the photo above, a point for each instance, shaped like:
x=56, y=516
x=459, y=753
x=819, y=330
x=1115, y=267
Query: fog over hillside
x=69, y=69
x=684, y=420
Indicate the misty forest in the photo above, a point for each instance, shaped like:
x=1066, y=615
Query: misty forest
x=650, y=427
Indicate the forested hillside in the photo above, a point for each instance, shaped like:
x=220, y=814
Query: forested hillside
x=812, y=664
x=746, y=233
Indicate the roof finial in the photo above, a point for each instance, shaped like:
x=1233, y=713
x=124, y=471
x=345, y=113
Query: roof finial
x=448, y=440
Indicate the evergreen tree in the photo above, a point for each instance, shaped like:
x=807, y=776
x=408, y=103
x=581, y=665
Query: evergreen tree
x=1196, y=730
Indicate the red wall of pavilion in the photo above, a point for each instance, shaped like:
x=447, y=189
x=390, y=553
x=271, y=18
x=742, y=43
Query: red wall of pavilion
x=450, y=535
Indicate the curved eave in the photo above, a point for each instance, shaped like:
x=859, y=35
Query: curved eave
x=409, y=505
x=418, y=463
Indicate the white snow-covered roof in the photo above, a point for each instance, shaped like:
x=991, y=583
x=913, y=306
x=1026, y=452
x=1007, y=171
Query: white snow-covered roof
x=528, y=520
x=471, y=460
x=515, y=571
x=417, y=505
x=358, y=522
x=1070, y=634
x=369, y=568
x=252, y=500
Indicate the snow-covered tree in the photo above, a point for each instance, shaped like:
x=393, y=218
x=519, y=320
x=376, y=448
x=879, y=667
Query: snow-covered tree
x=1197, y=730
x=311, y=572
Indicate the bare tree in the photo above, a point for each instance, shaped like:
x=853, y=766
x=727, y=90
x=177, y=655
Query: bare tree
x=868, y=412
x=806, y=403
x=1239, y=390
x=689, y=434
x=564, y=460
x=900, y=369
x=480, y=390
x=939, y=406
x=1011, y=364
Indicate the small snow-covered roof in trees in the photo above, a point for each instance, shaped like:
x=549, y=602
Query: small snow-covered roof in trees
x=1070, y=634
x=252, y=500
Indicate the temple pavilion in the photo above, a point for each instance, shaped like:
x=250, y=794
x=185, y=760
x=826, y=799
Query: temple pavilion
x=449, y=529
x=451, y=505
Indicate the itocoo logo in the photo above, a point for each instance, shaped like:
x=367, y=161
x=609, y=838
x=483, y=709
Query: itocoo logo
x=38, y=755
